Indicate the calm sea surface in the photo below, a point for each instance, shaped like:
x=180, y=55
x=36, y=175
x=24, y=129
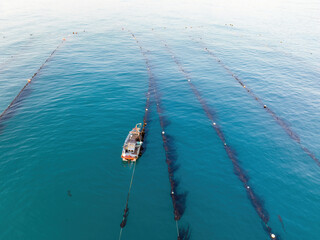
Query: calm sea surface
x=61, y=175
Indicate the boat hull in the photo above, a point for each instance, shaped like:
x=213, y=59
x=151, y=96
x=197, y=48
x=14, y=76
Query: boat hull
x=132, y=145
x=129, y=159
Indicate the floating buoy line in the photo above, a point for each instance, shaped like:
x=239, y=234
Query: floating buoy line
x=178, y=199
x=294, y=136
x=144, y=135
x=247, y=36
x=29, y=81
x=238, y=170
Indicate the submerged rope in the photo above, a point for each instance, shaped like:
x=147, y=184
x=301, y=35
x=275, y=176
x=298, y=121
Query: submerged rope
x=178, y=199
x=143, y=133
x=256, y=202
x=30, y=80
x=293, y=135
x=126, y=209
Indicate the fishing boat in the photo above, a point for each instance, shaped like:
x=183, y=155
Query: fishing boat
x=133, y=143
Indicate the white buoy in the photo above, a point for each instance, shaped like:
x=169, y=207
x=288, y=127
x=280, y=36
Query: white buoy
x=146, y=109
x=162, y=132
x=273, y=235
x=214, y=124
x=248, y=187
x=172, y=192
x=225, y=144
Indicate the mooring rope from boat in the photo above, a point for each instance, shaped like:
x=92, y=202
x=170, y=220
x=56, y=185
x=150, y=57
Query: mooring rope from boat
x=178, y=199
x=255, y=200
x=143, y=132
x=144, y=135
x=30, y=80
x=293, y=135
x=126, y=209
x=177, y=226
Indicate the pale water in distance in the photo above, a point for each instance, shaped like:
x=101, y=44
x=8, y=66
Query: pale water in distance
x=61, y=175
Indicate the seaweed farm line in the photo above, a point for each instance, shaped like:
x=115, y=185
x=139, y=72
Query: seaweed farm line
x=178, y=199
x=228, y=153
x=144, y=135
x=255, y=200
x=143, y=132
x=2, y=115
x=294, y=136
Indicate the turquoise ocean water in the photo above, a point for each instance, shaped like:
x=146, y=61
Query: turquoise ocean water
x=60, y=168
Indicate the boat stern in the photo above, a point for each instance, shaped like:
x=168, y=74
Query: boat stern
x=128, y=158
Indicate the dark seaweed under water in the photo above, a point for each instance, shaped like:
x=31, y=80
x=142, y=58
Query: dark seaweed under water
x=60, y=142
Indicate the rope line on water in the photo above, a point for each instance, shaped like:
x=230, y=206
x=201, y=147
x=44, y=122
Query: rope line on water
x=6, y=110
x=126, y=209
x=144, y=135
x=30, y=80
x=274, y=48
x=177, y=226
x=255, y=200
x=178, y=199
x=294, y=136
